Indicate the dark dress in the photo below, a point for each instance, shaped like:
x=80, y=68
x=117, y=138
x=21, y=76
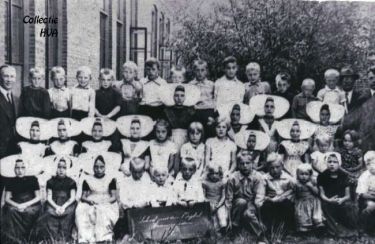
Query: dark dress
x=106, y=100
x=17, y=227
x=35, y=102
x=341, y=220
x=52, y=225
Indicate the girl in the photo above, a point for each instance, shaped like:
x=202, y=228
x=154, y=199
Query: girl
x=134, y=127
x=98, y=129
x=22, y=206
x=60, y=95
x=335, y=194
x=308, y=210
x=214, y=192
x=324, y=144
x=295, y=148
x=58, y=219
x=97, y=212
x=220, y=149
x=83, y=96
x=162, y=149
x=195, y=148
x=178, y=74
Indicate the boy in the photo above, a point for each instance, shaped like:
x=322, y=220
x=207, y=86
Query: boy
x=107, y=100
x=153, y=86
x=162, y=188
x=34, y=100
x=187, y=185
x=244, y=197
x=284, y=90
x=255, y=85
x=301, y=100
x=178, y=74
x=278, y=208
x=331, y=93
x=228, y=89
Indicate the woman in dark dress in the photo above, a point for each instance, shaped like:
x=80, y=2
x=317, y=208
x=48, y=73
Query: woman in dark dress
x=58, y=219
x=22, y=206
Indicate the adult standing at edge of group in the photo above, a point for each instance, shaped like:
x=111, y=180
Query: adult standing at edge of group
x=8, y=113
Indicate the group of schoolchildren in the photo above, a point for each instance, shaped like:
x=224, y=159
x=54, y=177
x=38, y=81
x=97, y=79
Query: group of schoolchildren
x=265, y=161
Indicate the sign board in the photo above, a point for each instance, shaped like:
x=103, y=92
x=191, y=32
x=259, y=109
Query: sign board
x=170, y=223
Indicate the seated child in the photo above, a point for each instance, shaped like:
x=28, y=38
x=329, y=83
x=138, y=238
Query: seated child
x=178, y=74
x=324, y=145
x=63, y=145
x=83, y=96
x=107, y=100
x=331, y=93
x=244, y=197
x=255, y=85
x=187, y=185
x=162, y=194
x=335, y=194
x=60, y=95
x=97, y=144
x=302, y=99
x=35, y=100
x=214, y=192
x=366, y=193
x=278, y=208
x=308, y=209
x=34, y=146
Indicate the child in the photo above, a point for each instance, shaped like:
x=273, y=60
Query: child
x=98, y=143
x=58, y=219
x=335, y=194
x=34, y=100
x=228, y=89
x=63, y=146
x=83, y=96
x=278, y=208
x=295, y=149
x=162, y=149
x=205, y=107
x=331, y=93
x=235, y=123
x=284, y=90
x=256, y=149
x=153, y=86
x=178, y=74
x=34, y=146
x=244, y=197
x=195, y=148
x=214, y=192
x=366, y=193
x=308, y=210
x=301, y=100
x=187, y=185
x=221, y=149
x=324, y=145
x=107, y=100
x=60, y=95
x=130, y=89
x=162, y=194
x=255, y=85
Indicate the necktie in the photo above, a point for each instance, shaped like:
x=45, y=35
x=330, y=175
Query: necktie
x=347, y=102
x=9, y=96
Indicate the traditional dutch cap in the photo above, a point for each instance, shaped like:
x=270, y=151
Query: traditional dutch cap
x=72, y=166
x=247, y=115
x=112, y=162
x=262, y=139
x=313, y=111
x=73, y=127
x=24, y=124
x=334, y=154
x=281, y=105
x=108, y=125
x=33, y=165
x=123, y=124
x=192, y=94
x=307, y=128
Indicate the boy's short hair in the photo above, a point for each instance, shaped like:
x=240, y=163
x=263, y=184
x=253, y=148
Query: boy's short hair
x=369, y=157
x=214, y=167
x=253, y=66
x=187, y=161
x=131, y=65
x=308, y=82
x=158, y=169
x=164, y=123
x=84, y=69
x=243, y=156
x=229, y=60
x=151, y=62
x=36, y=71
x=331, y=72
x=57, y=70
x=305, y=168
x=106, y=71
x=199, y=62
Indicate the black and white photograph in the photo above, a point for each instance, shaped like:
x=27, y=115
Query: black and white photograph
x=187, y=121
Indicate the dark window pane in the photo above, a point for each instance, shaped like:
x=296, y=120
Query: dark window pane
x=17, y=35
x=7, y=33
x=103, y=30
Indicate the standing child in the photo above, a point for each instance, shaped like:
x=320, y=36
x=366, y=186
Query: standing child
x=107, y=100
x=220, y=149
x=228, y=89
x=214, y=191
x=60, y=95
x=34, y=100
x=83, y=96
x=301, y=100
x=255, y=85
x=331, y=93
x=324, y=145
x=308, y=209
x=284, y=90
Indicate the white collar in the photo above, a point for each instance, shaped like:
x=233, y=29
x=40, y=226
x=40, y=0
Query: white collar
x=5, y=92
x=329, y=89
x=372, y=92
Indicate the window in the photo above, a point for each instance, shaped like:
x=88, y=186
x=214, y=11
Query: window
x=106, y=34
x=168, y=30
x=161, y=30
x=154, y=32
x=121, y=36
x=134, y=13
